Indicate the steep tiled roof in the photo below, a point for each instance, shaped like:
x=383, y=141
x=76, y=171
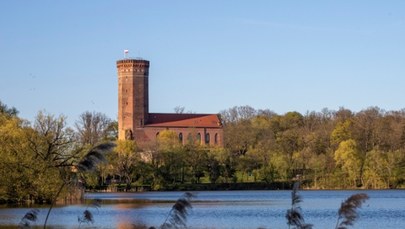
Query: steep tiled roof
x=183, y=120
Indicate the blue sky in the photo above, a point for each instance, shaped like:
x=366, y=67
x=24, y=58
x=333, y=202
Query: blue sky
x=206, y=56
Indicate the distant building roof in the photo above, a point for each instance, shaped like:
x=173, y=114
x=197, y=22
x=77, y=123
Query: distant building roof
x=183, y=120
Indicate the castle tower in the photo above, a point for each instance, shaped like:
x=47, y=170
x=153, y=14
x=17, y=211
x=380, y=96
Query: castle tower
x=133, y=97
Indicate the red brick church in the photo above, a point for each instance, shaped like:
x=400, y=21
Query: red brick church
x=136, y=123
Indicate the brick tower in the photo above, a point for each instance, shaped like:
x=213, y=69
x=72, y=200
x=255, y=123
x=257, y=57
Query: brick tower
x=133, y=97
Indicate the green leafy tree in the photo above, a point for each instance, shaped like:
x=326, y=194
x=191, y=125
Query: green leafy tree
x=5, y=110
x=214, y=169
x=348, y=157
x=342, y=132
x=168, y=160
x=125, y=160
x=196, y=157
x=17, y=165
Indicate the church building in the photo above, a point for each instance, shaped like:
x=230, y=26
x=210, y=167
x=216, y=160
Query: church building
x=136, y=123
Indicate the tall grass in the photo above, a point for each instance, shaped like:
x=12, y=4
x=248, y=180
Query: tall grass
x=177, y=217
x=28, y=218
x=87, y=216
x=347, y=213
x=294, y=215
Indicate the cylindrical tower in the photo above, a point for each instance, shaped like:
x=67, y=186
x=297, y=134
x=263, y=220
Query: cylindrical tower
x=133, y=96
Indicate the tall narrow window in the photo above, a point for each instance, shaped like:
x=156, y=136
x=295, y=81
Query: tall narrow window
x=189, y=138
x=181, y=137
x=216, y=139
x=199, y=138
x=207, y=138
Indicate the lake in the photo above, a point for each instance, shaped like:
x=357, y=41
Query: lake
x=223, y=209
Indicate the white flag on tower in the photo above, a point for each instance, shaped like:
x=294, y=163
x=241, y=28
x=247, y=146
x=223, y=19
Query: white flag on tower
x=125, y=53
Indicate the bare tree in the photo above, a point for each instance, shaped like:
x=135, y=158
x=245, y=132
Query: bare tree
x=179, y=110
x=93, y=127
x=52, y=141
x=236, y=114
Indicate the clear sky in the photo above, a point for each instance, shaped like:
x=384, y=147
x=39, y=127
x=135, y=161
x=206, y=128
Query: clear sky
x=206, y=56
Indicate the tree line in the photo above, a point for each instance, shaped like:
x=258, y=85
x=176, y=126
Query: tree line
x=327, y=149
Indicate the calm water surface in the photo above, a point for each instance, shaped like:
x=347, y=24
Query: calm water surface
x=224, y=209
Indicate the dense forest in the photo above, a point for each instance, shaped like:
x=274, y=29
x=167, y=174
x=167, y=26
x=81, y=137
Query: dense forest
x=327, y=149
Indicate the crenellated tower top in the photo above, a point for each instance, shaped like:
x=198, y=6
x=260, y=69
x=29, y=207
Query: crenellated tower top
x=133, y=96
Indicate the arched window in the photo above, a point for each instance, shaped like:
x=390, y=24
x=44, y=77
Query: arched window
x=129, y=135
x=181, y=137
x=207, y=138
x=216, y=138
x=189, y=138
x=199, y=138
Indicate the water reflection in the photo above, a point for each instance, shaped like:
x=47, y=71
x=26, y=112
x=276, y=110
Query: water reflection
x=224, y=209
